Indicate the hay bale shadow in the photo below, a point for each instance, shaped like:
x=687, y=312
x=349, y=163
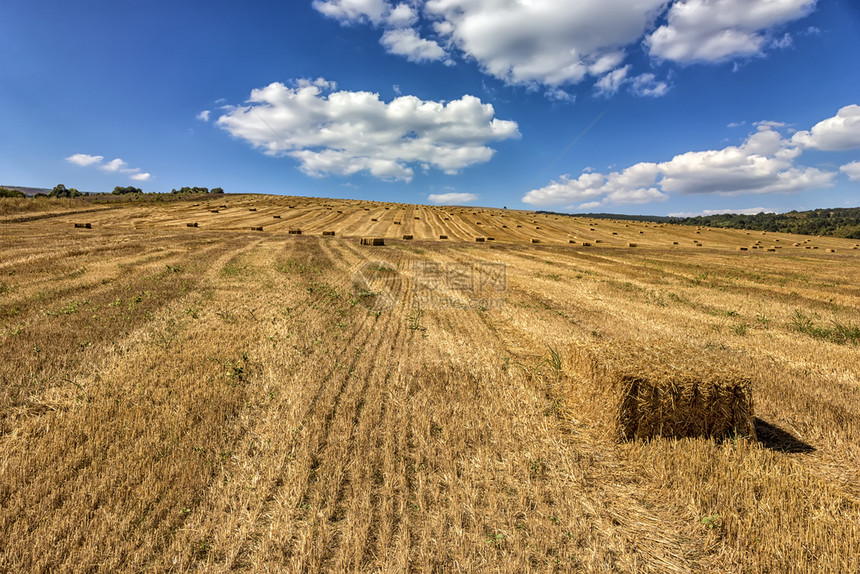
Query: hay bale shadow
x=772, y=437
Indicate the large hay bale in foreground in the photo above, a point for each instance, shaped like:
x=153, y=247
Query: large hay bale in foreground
x=660, y=388
x=372, y=241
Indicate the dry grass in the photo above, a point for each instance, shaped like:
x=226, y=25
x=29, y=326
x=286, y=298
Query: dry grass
x=213, y=399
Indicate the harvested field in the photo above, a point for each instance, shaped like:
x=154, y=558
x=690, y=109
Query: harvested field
x=220, y=399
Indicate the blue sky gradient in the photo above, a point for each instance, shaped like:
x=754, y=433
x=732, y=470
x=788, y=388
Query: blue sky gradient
x=487, y=102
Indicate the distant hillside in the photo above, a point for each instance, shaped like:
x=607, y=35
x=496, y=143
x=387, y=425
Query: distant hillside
x=835, y=222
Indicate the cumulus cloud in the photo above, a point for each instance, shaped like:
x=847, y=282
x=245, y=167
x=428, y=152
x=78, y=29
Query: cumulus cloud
x=113, y=166
x=764, y=163
x=544, y=41
x=353, y=10
x=406, y=42
x=204, y=115
x=852, y=170
x=839, y=133
x=717, y=30
x=744, y=211
x=344, y=133
x=609, y=84
x=84, y=160
x=552, y=44
x=451, y=198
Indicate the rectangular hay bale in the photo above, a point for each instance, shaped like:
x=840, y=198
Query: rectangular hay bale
x=662, y=388
x=295, y=232
x=328, y=233
x=375, y=241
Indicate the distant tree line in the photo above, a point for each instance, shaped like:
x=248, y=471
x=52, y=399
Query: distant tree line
x=6, y=192
x=835, y=222
x=196, y=190
x=61, y=191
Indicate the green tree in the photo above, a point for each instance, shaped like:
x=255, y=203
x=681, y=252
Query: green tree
x=6, y=192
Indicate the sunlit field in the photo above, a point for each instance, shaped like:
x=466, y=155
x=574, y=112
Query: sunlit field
x=239, y=396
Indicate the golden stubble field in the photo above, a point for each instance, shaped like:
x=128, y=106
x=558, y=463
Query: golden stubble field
x=178, y=399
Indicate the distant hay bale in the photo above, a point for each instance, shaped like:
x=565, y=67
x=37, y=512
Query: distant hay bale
x=83, y=225
x=252, y=209
x=641, y=232
x=586, y=244
x=504, y=226
x=771, y=250
x=256, y=229
x=661, y=388
x=373, y=219
x=295, y=232
x=276, y=217
x=631, y=244
x=214, y=211
x=328, y=233
x=447, y=219
x=742, y=249
x=396, y=223
x=519, y=225
x=416, y=217
x=480, y=239
x=491, y=238
x=478, y=223
x=674, y=243
x=191, y=224
x=339, y=211
x=797, y=245
x=407, y=237
x=831, y=251
x=443, y=237
x=222, y=206
x=374, y=241
x=614, y=233
x=535, y=240
x=537, y=227
x=571, y=241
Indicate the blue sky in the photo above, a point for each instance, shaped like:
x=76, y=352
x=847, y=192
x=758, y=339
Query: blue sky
x=626, y=106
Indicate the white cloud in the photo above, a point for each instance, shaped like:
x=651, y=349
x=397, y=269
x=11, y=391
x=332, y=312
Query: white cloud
x=406, y=42
x=344, y=132
x=544, y=41
x=636, y=185
x=347, y=11
x=451, y=198
x=744, y=211
x=609, y=84
x=852, y=170
x=841, y=132
x=402, y=16
x=764, y=163
x=646, y=85
x=717, y=30
x=551, y=43
x=84, y=160
x=204, y=115
x=113, y=166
